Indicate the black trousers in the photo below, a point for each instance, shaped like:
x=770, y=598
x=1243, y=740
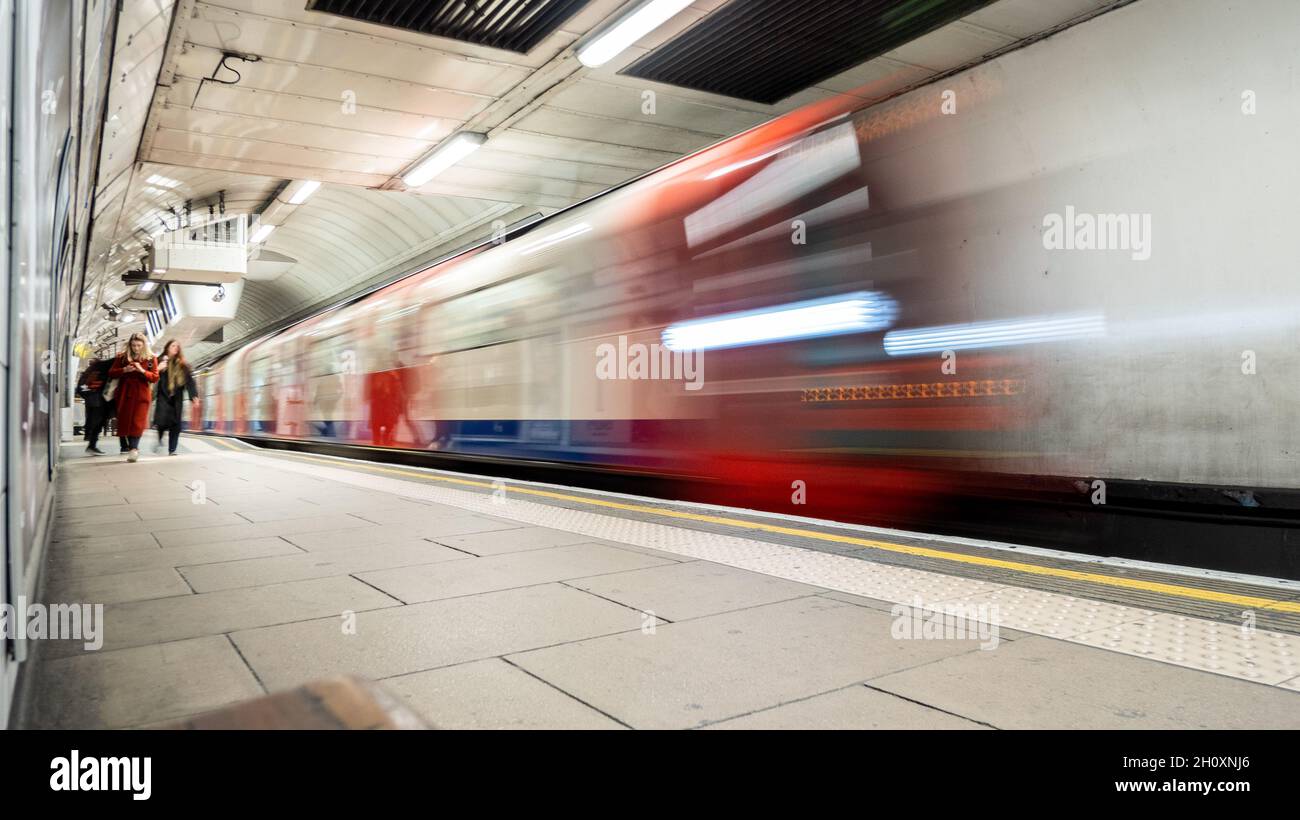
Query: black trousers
x=96, y=420
x=173, y=436
x=129, y=442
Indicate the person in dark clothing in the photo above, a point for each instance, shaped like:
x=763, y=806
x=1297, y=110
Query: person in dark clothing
x=98, y=409
x=175, y=379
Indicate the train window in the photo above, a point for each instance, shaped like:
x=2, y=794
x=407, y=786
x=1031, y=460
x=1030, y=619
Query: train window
x=799, y=170
x=257, y=371
x=476, y=319
x=331, y=355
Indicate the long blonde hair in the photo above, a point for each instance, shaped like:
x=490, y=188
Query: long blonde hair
x=146, y=354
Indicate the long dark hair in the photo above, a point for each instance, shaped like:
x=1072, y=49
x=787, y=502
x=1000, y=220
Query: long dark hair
x=177, y=367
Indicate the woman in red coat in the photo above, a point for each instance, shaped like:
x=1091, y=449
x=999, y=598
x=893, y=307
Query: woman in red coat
x=136, y=368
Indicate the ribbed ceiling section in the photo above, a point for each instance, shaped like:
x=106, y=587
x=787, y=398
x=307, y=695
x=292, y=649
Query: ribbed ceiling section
x=514, y=25
x=343, y=236
x=766, y=50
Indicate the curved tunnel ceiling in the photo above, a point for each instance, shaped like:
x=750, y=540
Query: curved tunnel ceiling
x=342, y=236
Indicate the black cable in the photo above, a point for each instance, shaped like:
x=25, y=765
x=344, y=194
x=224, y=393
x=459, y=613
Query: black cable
x=225, y=55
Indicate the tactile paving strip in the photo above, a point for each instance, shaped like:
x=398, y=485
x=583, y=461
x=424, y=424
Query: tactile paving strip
x=1049, y=613
x=1223, y=611
x=1265, y=657
x=1244, y=652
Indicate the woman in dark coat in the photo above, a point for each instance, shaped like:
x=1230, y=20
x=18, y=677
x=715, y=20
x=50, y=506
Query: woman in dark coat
x=136, y=369
x=98, y=409
x=175, y=379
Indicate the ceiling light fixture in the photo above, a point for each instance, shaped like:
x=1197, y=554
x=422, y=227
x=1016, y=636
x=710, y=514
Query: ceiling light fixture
x=307, y=188
x=261, y=234
x=628, y=30
x=448, y=154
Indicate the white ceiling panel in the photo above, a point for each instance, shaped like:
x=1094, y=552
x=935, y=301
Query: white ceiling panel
x=327, y=82
x=575, y=125
x=949, y=47
x=261, y=129
x=673, y=110
x=300, y=169
x=588, y=149
x=1020, y=19
x=496, y=159
x=185, y=96
x=274, y=152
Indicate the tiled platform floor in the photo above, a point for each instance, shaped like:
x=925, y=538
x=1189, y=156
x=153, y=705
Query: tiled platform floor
x=260, y=579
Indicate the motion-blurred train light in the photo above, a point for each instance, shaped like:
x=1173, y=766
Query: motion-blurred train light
x=448, y=154
x=798, y=169
x=859, y=312
x=744, y=163
x=539, y=245
x=994, y=334
x=645, y=19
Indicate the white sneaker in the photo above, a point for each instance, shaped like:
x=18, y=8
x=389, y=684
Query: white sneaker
x=134, y=455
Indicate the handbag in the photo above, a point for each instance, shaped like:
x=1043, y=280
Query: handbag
x=110, y=388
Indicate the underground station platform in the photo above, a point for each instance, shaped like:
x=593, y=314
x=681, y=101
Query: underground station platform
x=231, y=572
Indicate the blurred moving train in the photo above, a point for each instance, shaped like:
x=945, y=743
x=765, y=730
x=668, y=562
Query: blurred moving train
x=715, y=320
x=889, y=313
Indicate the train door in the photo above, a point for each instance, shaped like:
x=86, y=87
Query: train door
x=329, y=360
x=261, y=400
x=287, y=394
x=543, y=375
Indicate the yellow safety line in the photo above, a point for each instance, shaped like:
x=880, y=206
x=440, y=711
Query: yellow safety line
x=1250, y=601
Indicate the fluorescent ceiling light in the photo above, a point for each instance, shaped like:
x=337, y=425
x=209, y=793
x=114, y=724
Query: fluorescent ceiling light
x=261, y=234
x=627, y=31
x=448, y=154
x=305, y=190
x=851, y=313
x=1029, y=330
x=162, y=181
